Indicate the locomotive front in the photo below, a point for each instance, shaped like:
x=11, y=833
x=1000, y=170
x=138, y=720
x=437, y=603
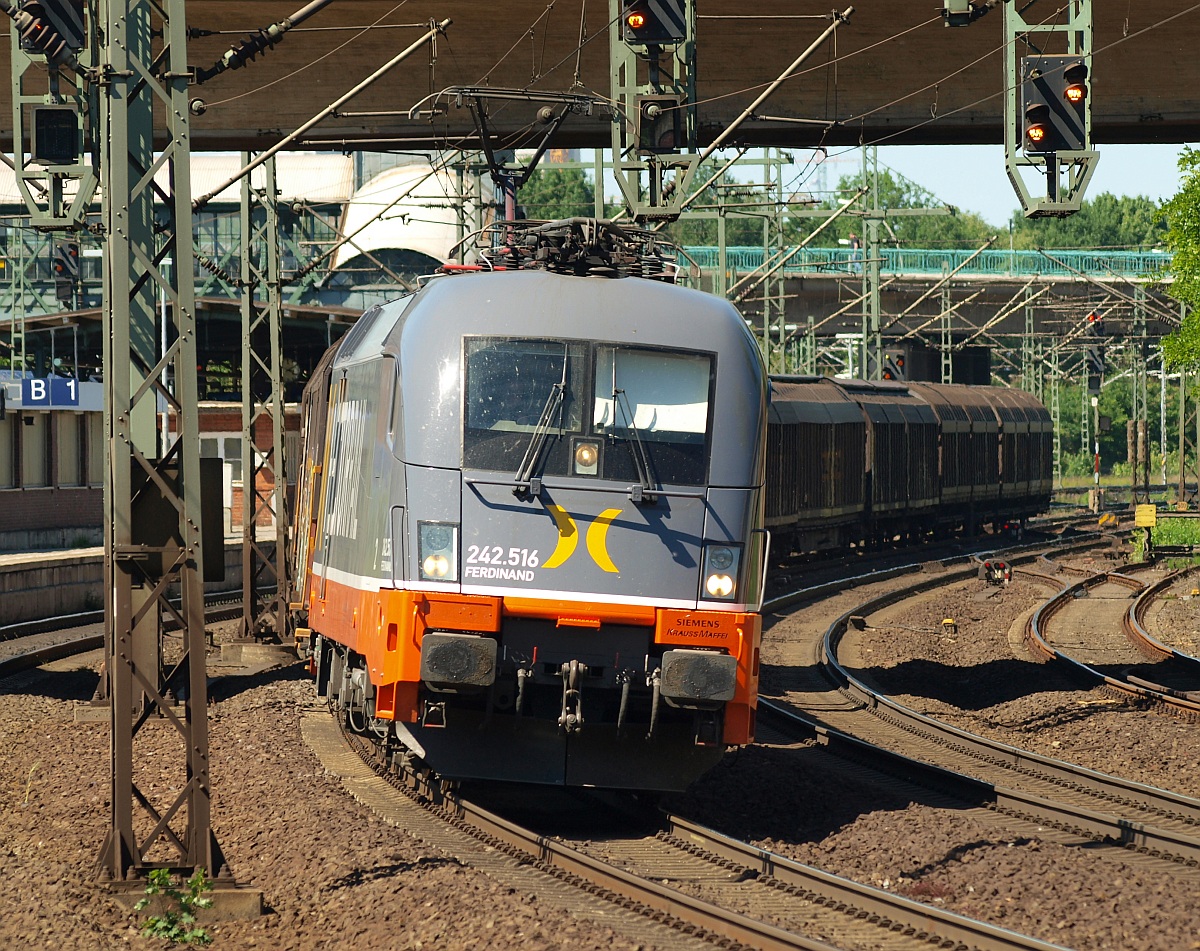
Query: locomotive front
x=575, y=545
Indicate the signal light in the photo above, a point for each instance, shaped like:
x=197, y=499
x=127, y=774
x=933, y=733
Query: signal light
x=1054, y=96
x=893, y=366
x=653, y=22
x=1075, y=77
x=1037, y=127
x=65, y=264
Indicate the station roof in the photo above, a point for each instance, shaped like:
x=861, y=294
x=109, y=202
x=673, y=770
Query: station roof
x=893, y=74
x=316, y=177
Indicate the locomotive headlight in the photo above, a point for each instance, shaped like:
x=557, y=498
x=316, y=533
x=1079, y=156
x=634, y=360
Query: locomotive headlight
x=719, y=586
x=437, y=551
x=721, y=563
x=720, y=557
x=586, y=457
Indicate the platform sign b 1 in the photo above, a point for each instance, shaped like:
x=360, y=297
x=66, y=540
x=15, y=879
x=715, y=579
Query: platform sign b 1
x=52, y=391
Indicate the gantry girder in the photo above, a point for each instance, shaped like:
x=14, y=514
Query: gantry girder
x=900, y=76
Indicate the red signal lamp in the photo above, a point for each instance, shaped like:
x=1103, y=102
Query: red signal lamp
x=636, y=20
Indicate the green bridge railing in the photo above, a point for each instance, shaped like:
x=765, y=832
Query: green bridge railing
x=996, y=263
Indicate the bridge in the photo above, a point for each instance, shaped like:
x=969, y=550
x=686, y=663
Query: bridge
x=893, y=74
x=926, y=262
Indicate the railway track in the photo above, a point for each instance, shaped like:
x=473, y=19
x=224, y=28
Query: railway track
x=684, y=886
x=860, y=722
x=696, y=860
x=692, y=879
x=33, y=643
x=1102, y=639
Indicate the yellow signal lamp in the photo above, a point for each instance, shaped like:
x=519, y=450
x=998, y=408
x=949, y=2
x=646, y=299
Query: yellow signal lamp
x=1037, y=124
x=1075, y=77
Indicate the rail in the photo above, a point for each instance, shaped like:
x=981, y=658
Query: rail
x=1133, y=801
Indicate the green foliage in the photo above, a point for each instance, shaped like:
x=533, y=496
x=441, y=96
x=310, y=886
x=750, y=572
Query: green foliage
x=1076, y=464
x=1137, y=546
x=1104, y=222
x=1107, y=221
x=943, y=230
x=176, y=907
x=1182, y=216
x=1175, y=531
x=553, y=193
x=744, y=223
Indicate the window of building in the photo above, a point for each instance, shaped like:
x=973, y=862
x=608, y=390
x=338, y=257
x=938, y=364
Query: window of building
x=35, y=450
x=226, y=448
x=71, y=440
x=8, y=451
x=94, y=423
x=291, y=456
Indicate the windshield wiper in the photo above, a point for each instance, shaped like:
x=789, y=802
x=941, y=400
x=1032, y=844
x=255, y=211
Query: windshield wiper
x=525, y=480
x=641, y=459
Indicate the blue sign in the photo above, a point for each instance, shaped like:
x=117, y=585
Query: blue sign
x=54, y=391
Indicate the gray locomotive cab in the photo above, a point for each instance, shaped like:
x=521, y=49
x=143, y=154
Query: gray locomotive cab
x=568, y=433
x=561, y=443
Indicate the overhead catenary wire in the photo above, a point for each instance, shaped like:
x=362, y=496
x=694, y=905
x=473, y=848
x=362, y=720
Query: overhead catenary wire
x=324, y=56
x=387, y=67
x=816, y=44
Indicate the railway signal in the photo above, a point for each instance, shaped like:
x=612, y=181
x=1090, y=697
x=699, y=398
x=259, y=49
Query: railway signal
x=1054, y=95
x=964, y=12
x=66, y=271
x=1095, y=353
x=894, y=365
x=56, y=139
x=659, y=123
x=653, y=22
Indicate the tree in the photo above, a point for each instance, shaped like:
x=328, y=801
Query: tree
x=553, y=193
x=1104, y=222
x=957, y=230
x=1182, y=216
x=743, y=207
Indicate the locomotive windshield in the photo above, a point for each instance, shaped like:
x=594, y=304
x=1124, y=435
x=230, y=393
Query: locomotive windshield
x=646, y=408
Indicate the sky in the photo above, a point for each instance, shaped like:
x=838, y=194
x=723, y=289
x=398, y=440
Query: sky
x=972, y=177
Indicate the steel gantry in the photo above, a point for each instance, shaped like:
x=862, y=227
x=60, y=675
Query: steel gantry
x=1068, y=167
x=264, y=482
x=111, y=66
x=154, y=537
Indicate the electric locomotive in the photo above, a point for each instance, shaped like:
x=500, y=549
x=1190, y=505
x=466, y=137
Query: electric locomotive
x=530, y=527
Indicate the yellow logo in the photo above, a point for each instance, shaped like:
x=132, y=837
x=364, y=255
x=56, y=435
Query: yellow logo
x=568, y=538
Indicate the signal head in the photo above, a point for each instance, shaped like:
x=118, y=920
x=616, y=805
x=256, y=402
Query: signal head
x=1037, y=126
x=653, y=22
x=1075, y=78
